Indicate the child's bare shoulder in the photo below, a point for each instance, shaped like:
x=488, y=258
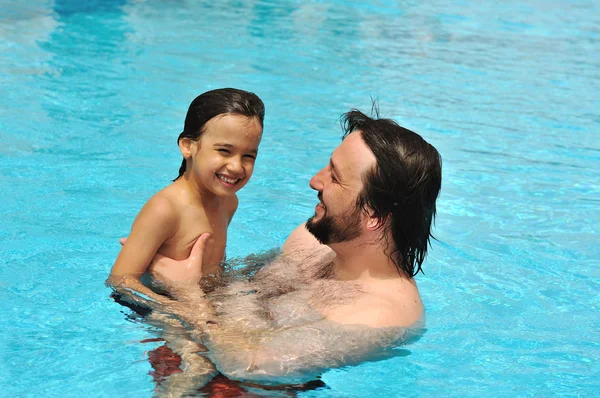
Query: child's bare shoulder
x=163, y=206
x=231, y=203
x=230, y=206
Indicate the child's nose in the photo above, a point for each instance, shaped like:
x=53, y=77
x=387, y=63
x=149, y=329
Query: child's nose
x=235, y=165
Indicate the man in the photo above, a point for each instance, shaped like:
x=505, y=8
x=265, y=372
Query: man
x=342, y=291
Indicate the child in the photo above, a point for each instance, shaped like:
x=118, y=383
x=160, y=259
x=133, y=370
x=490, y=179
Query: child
x=219, y=145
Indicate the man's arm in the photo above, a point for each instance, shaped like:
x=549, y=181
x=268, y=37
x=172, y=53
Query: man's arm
x=284, y=354
x=300, y=238
x=243, y=350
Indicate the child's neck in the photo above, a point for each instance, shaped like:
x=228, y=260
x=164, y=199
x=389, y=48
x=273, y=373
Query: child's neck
x=198, y=194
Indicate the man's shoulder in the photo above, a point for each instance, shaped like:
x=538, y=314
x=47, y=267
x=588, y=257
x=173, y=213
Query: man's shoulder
x=381, y=309
x=300, y=238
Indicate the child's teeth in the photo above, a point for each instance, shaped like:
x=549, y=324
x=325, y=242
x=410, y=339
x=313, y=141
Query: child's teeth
x=227, y=180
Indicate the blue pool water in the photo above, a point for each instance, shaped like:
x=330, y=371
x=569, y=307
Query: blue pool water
x=93, y=97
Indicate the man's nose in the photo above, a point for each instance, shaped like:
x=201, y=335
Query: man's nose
x=316, y=182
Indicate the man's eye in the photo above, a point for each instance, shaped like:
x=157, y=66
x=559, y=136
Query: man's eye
x=333, y=178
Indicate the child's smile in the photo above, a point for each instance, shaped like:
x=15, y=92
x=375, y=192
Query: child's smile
x=228, y=181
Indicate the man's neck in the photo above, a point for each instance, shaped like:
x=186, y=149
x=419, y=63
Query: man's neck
x=362, y=261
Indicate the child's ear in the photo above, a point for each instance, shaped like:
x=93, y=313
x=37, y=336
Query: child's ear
x=186, y=147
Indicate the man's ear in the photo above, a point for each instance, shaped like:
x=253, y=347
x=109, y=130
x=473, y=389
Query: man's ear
x=373, y=222
x=186, y=146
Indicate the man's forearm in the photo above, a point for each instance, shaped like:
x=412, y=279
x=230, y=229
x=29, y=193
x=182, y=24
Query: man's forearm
x=191, y=307
x=244, y=346
x=295, y=354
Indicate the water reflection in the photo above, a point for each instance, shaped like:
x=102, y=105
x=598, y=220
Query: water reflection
x=22, y=28
x=87, y=64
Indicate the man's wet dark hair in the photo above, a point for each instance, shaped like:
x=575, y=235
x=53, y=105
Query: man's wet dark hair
x=402, y=188
x=218, y=102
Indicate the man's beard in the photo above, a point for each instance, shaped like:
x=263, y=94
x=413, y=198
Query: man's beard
x=335, y=229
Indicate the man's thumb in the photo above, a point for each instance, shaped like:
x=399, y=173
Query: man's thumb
x=199, y=246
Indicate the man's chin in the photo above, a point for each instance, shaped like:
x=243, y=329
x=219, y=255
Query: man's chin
x=315, y=230
x=309, y=224
x=313, y=222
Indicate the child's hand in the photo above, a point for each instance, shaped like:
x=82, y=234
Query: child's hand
x=167, y=270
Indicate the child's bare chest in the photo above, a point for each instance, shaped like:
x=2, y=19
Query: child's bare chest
x=192, y=224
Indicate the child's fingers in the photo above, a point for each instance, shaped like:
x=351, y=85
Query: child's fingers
x=122, y=241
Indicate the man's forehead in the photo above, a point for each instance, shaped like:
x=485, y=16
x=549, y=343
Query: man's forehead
x=353, y=156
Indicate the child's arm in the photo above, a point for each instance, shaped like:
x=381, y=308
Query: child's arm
x=156, y=222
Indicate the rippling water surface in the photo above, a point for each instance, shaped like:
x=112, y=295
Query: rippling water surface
x=94, y=95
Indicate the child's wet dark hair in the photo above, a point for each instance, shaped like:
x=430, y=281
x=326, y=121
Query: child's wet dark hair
x=218, y=102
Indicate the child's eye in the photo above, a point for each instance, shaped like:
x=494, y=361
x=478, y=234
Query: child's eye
x=223, y=150
x=253, y=157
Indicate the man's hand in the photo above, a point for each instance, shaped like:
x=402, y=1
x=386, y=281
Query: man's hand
x=167, y=270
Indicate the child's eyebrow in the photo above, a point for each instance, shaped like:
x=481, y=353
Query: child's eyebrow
x=227, y=145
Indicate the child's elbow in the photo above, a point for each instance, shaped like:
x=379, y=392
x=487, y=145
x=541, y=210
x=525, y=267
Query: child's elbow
x=121, y=282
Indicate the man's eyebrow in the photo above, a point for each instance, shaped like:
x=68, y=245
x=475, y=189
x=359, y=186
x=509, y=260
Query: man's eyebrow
x=334, y=169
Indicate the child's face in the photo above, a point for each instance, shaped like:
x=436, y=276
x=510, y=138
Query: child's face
x=223, y=158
